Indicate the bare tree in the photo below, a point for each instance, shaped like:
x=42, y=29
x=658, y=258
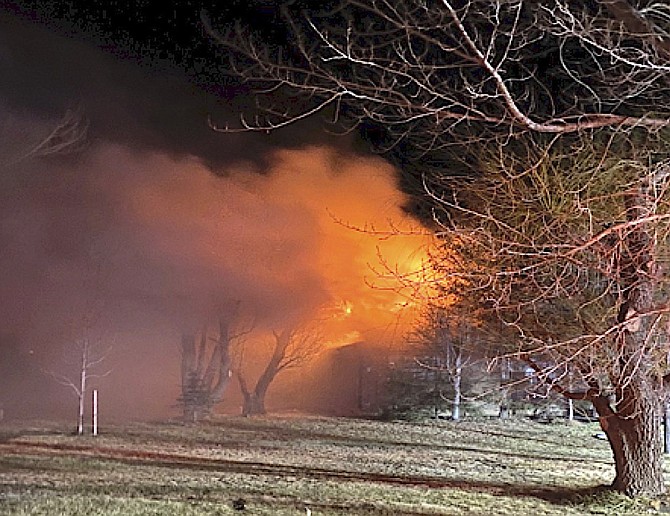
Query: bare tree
x=517, y=77
x=568, y=254
x=291, y=348
x=67, y=136
x=428, y=70
x=446, y=344
x=89, y=361
x=88, y=349
x=207, y=366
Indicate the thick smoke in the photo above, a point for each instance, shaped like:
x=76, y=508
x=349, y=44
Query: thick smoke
x=130, y=239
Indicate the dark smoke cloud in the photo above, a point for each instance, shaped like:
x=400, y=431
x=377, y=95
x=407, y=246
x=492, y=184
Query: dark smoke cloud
x=132, y=248
x=142, y=102
x=146, y=226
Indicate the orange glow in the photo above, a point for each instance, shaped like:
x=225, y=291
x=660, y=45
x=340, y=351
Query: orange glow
x=318, y=226
x=357, y=206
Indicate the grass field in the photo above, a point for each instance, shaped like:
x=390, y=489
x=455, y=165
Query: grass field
x=298, y=465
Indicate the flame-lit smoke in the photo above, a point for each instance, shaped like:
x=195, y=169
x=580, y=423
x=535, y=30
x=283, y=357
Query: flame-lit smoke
x=137, y=247
x=355, y=206
x=132, y=239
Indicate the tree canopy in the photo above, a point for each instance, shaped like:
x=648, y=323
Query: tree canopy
x=535, y=133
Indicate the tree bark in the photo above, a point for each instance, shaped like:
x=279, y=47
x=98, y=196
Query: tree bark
x=254, y=405
x=253, y=401
x=633, y=422
x=634, y=435
x=504, y=389
x=224, y=365
x=204, y=379
x=187, y=377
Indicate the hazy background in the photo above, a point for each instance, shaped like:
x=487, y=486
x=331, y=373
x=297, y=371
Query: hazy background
x=155, y=221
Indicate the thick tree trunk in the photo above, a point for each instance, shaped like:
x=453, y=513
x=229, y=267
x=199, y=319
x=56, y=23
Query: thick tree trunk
x=637, y=456
x=224, y=365
x=204, y=381
x=634, y=436
x=633, y=422
x=254, y=401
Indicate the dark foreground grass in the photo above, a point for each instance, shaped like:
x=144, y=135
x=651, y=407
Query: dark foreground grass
x=301, y=465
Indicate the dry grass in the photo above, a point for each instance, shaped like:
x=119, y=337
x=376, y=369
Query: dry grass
x=282, y=465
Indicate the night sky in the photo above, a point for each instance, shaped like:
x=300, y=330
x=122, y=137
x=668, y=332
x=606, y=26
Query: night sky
x=154, y=221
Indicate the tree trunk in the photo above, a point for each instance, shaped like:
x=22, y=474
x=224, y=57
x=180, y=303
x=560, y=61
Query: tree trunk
x=504, y=412
x=637, y=456
x=633, y=423
x=254, y=401
x=634, y=436
x=666, y=426
x=188, y=378
x=254, y=404
x=204, y=381
x=458, y=375
x=224, y=366
x=80, y=413
x=505, y=374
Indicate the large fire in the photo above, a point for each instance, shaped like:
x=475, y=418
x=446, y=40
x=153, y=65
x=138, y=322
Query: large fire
x=160, y=244
x=365, y=240
x=327, y=229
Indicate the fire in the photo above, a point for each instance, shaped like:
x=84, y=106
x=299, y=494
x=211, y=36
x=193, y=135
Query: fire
x=370, y=252
x=318, y=229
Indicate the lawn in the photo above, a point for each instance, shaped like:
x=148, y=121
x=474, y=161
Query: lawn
x=310, y=465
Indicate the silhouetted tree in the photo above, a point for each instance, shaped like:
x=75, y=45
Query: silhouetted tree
x=206, y=367
x=89, y=363
x=446, y=344
x=568, y=255
x=291, y=348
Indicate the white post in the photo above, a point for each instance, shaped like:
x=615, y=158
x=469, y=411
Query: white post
x=571, y=410
x=95, y=411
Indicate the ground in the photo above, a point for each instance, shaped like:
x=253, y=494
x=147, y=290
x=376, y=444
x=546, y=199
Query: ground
x=286, y=465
